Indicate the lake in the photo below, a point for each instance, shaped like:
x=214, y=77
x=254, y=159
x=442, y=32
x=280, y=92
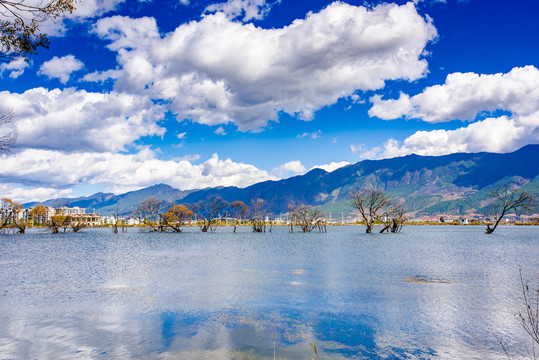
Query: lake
x=429, y=292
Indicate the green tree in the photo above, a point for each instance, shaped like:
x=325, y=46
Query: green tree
x=20, y=34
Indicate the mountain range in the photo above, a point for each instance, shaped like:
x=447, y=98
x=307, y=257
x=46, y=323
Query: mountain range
x=427, y=185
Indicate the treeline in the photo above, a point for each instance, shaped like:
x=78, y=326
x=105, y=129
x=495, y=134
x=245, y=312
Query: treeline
x=158, y=216
x=155, y=215
x=15, y=218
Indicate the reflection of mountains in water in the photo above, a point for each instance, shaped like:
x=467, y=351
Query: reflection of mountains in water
x=456, y=183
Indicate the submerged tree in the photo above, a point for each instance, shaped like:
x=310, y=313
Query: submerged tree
x=39, y=215
x=507, y=200
x=116, y=216
x=148, y=214
x=176, y=217
x=11, y=216
x=307, y=218
x=77, y=224
x=239, y=210
x=258, y=214
x=370, y=204
x=58, y=221
x=394, y=218
x=209, y=211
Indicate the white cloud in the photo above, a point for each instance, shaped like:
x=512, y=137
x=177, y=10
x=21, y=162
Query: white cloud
x=220, y=131
x=249, y=9
x=331, y=166
x=120, y=173
x=357, y=148
x=182, y=135
x=217, y=71
x=102, y=76
x=288, y=169
x=92, y=8
x=464, y=96
x=60, y=68
x=501, y=134
x=313, y=135
x=71, y=120
x=15, y=68
x=193, y=157
x=23, y=195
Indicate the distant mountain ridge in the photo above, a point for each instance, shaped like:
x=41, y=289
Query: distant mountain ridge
x=456, y=183
x=105, y=203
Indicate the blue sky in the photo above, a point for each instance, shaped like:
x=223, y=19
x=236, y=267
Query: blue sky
x=202, y=93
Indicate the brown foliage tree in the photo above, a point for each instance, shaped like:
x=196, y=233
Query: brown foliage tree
x=10, y=215
x=58, y=220
x=176, y=217
x=39, y=214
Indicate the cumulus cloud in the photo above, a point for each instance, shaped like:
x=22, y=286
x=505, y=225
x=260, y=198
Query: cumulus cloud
x=502, y=134
x=123, y=172
x=60, y=68
x=331, y=166
x=290, y=168
x=464, y=96
x=23, y=195
x=217, y=71
x=93, y=8
x=101, y=76
x=15, y=68
x=295, y=167
x=77, y=120
x=249, y=9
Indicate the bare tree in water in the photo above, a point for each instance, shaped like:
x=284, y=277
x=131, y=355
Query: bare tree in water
x=370, y=203
x=239, y=210
x=507, y=200
x=149, y=214
x=258, y=214
x=209, y=211
x=307, y=218
x=394, y=218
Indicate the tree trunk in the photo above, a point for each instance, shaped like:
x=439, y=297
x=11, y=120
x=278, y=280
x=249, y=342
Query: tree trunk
x=369, y=228
x=491, y=230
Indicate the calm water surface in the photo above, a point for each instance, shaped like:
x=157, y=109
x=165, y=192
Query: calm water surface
x=436, y=292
